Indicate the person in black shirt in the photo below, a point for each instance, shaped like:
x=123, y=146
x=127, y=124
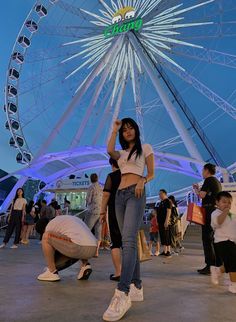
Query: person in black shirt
x=109, y=194
x=163, y=218
x=208, y=192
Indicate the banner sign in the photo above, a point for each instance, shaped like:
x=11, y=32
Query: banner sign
x=123, y=21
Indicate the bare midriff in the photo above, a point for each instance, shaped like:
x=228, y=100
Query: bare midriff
x=128, y=179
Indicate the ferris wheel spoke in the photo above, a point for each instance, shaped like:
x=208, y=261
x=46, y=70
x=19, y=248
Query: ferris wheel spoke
x=190, y=145
x=45, y=78
x=68, y=31
x=68, y=112
x=216, y=30
x=204, y=90
x=104, y=118
x=34, y=111
x=120, y=96
x=49, y=54
x=71, y=9
x=207, y=55
x=138, y=101
x=92, y=104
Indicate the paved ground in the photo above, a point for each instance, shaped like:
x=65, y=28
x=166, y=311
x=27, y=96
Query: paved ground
x=173, y=290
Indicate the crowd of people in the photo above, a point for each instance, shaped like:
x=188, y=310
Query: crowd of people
x=120, y=205
x=23, y=217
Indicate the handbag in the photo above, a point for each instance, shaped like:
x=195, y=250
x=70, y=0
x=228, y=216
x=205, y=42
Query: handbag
x=143, y=250
x=196, y=214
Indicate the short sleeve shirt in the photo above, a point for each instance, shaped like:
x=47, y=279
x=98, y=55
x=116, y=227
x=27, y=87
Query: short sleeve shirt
x=94, y=198
x=134, y=165
x=226, y=231
x=162, y=210
x=212, y=187
x=154, y=225
x=74, y=228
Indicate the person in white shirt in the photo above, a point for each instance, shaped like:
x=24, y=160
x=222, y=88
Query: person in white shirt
x=66, y=240
x=16, y=218
x=224, y=225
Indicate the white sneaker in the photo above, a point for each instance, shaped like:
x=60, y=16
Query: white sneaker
x=14, y=246
x=2, y=246
x=49, y=276
x=232, y=287
x=120, y=304
x=136, y=295
x=157, y=253
x=84, y=272
x=215, y=275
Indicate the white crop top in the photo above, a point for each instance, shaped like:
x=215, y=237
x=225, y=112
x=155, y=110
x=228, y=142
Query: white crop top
x=20, y=203
x=135, y=166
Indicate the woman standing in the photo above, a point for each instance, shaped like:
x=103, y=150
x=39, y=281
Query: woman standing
x=17, y=215
x=108, y=201
x=130, y=207
x=28, y=223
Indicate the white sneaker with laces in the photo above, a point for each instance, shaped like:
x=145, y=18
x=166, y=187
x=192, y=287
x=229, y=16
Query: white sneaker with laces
x=120, y=304
x=232, y=287
x=2, y=246
x=215, y=275
x=84, y=272
x=14, y=246
x=49, y=276
x=136, y=295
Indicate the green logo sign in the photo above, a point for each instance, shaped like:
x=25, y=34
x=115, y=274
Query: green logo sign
x=117, y=28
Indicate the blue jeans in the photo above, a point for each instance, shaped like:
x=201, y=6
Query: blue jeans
x=129, y=213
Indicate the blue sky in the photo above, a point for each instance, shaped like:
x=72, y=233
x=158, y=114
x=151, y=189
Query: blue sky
x=57, y=94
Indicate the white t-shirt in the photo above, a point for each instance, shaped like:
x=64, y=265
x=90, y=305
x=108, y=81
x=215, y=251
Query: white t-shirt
x=19, y=203
x=135, y=166
x=226, y=231
x=74, y=228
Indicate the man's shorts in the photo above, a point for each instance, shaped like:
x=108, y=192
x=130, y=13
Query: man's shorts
x=65, y=246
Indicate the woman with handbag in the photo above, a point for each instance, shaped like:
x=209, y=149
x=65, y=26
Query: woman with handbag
x=130, y=207
x=17, y=216
x=28, y=223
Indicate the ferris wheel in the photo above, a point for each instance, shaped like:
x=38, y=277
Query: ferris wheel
x=78, y=65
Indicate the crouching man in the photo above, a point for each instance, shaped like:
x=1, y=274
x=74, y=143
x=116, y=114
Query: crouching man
x=66, y=239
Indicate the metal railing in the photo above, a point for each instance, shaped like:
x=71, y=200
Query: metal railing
x=3, y=220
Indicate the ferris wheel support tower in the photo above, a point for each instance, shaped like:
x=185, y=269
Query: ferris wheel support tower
x=183, y=132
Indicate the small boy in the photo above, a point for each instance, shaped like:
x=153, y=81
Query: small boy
x=224, y=224
x=153, y=234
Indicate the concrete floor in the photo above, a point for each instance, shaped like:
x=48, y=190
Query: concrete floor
x=173, y=291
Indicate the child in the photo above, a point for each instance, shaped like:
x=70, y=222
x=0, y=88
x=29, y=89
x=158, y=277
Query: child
x=224, y=224
x=153, y=234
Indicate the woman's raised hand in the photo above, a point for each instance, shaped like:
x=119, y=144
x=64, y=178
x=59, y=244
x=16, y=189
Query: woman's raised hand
x=117, y=125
